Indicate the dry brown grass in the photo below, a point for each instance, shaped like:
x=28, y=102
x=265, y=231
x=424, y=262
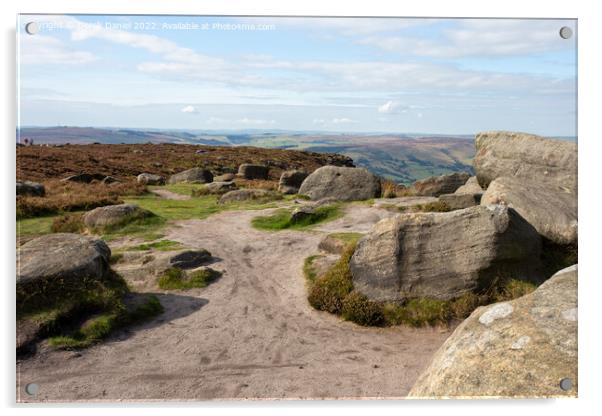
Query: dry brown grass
x=73, y=196
x=390, y=189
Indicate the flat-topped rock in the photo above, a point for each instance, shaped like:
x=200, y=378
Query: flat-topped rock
x=253, y=171
x=439, y=185
x=341, y=183
x=114, y=215
x=30, y=188
x=194, y=175
x=150, y=179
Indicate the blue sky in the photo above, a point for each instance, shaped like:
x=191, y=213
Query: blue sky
x=448, y=76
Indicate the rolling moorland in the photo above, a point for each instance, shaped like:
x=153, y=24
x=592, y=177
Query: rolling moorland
x=403, y=158
x=179, y=271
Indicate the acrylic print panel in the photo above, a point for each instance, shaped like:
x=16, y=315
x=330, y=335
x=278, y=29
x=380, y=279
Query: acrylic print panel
x=293, y=207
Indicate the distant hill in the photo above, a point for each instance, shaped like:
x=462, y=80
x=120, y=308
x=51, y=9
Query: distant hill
x=404, y=158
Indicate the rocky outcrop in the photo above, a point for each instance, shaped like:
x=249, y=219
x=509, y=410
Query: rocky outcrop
x=219, y=188
x=460, y=201
x=444, y=255
x=53, y=261
x=470, y=187
x=30, y=188
x=150, y=179
x=226, y=177
x=502, y=153
x=439, y=185
x=549, y=207
x=251, y=171
x=194, y=175
x=341, y=183
x=249, y=195
x=114, y=216
x=190, y=259
x=84, y=177
x=291, y=180
x=521, y=348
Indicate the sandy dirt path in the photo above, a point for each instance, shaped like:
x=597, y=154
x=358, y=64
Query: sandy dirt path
x=251, y=334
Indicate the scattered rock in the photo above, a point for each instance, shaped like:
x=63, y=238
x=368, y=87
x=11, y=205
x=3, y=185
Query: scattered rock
x=444, y=255
x=341, y=183
x=521, y=348
x=460, y=201
x=150, y=179
x=226, y=177
x=290, y=181
x=332, y=245
x=84, y=177
x=502, y=153
x=55, y=260
x=219, y=188
x=30, y=188
x=549, y=207
x=301, y=213
x=248, y=194
x=470, y=187
x=250, y=171
x=109, y=179
x=190, y=259
x=114, y=215
x=439, y=185
x=194, y=175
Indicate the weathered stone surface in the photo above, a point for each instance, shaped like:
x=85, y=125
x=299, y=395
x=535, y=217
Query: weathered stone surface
x=63, y=257
x=291, y=180
x=251, y=171
x=301, y=213
x=190, y=259
x=403, y=202
x=470, y=187
x=30, y=188
x=226, y=177
x=341, y=183
x=439, y=185
x=84, y=177
x=150, y=179
x=332, y=245
x=444, y=255
x=548, y=206
x=114, y=215
x=194, y=175
x=521, y=348
x=248, y=194
x=502, y=153
x=460, y=201
x=219, y=187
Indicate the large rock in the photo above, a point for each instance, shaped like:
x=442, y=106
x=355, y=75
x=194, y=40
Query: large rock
x=30, y=188
x=291, y=180
x=219, y=188
x=460, y=201
x=114, y=215
x=194, y=175
x=470, y=187
x=150, y=179
x=341, y=183
x=548, y=206
x=226, y=177
x=59, y=260
x=501, y=153
x=249, y=195
x=521, y=348
x=439, y=185
x=251, y=171
x=444, y=255
x=84, y=177
x=190, y=259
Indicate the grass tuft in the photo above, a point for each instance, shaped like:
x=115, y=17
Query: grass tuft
x=437, y=206
x=162, y=245
x=68, y=223
x=175, y=278
x=282, y=219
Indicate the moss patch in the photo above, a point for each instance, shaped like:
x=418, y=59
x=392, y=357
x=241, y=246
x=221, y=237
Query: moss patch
x=282, y=219
x=309, y=270
x=161, y=245
x=175, y=278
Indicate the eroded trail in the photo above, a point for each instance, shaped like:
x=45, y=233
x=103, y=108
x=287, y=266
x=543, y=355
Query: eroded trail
x=251, y=334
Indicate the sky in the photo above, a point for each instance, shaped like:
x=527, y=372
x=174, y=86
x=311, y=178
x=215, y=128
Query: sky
x=397, y=75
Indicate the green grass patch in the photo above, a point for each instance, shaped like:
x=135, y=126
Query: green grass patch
x=68, y=223
x=161, y=245
x=309, y=270
x=35, y=226
x=282, y=219
x=175, y=278
x=347, y=238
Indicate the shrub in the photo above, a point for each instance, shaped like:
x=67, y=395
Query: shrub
x=308, y=268
x=438, y=206
x=359, y=309
x=68, y=223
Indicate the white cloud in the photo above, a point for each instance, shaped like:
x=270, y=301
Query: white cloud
x=389, y=107
x=480, y=37
x=189, y=109
x=43, y=49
